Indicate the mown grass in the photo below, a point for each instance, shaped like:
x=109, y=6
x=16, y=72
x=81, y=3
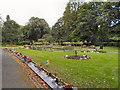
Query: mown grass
x=11, y=46
x=101, y=71
x=107, y=49
x=112, y=49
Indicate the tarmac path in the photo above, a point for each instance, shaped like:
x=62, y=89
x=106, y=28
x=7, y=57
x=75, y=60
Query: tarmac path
x=12, y=74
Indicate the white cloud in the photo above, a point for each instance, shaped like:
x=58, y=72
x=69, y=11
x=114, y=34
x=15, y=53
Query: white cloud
x=22, y=10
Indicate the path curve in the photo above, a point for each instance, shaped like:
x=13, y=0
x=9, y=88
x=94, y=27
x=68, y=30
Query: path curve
x=12, y=73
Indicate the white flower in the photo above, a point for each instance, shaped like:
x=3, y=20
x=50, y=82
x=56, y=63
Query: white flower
x=66, y=56
x=112, y=78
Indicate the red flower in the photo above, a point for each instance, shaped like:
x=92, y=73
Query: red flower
x=16, y=52
x=67, y=86
x=25, y=56
x=29, y=60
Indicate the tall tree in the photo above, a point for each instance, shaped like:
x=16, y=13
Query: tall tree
x=57, y=30
x=48, y=38
x=110, y=19
x=37, y=28
x=87, y=22
x=69, y=19
x=94, y=21
x=24, y=33
x=10, y=31
x=0, y=30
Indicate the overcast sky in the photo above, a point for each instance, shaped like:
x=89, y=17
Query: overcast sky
x=22, y=10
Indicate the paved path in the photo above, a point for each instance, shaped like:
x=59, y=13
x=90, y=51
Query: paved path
x=42, y=74
x=12, y=74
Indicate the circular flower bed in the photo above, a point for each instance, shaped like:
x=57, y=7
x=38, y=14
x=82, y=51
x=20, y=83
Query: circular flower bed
x=78, y=57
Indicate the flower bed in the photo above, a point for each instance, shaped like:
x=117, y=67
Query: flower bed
x=78, y=57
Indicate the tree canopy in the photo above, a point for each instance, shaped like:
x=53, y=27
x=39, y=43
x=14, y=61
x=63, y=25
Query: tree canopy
x=10, y=31
x=92, y=22
x=37, y=28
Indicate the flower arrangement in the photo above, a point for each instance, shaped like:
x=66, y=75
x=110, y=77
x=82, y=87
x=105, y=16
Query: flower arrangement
x=67, y=86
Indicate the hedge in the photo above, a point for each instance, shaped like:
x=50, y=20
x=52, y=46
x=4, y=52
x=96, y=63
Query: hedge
x=41, y=43
x=107, y=44
x=23, y=43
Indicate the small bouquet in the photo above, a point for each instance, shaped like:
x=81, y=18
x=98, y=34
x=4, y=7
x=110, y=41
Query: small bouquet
x=67, y=86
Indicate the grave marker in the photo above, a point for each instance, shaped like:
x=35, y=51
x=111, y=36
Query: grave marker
x=76, y=52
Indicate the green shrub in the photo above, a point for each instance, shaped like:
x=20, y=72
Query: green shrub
x=56, y=44
x=38, y=43
x=72, y=43
x=41, y=43
x=107, y=44
x=97, y=44
x=68, y=48
x=23, y=43
x=110, y=44
x=46, y=43
x=41, y=40
x=66, y=43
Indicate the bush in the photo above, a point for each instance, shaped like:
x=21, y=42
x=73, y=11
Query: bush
x=41, y=40
x=72, y=43
x=78, y=43
x=110, y=43
x=41, y=43
x=107, y=44
x=55, y=43
x=23, y=43
x=38, y=43
x=97, y=44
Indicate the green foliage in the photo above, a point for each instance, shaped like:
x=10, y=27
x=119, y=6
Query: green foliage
x=57, y=30
x=37, y=28
x=93, y=22
x=24, y=33
x=48, y=38
x=87, y=26
x=38, y=43
x=107, y=43
x=41, y=40
x=115, y=38
x=69, y=19
x=80, y=43
x=0, y=30
x=23, y=43
x=65, y=25
x=10, y=31
x=72, y=43
x=111, y=44
x=12, y=46
x=41, y=43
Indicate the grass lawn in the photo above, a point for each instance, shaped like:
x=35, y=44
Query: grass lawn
x=101, y=71
x=111, y=49
x=11, y=47
x=107, y=49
